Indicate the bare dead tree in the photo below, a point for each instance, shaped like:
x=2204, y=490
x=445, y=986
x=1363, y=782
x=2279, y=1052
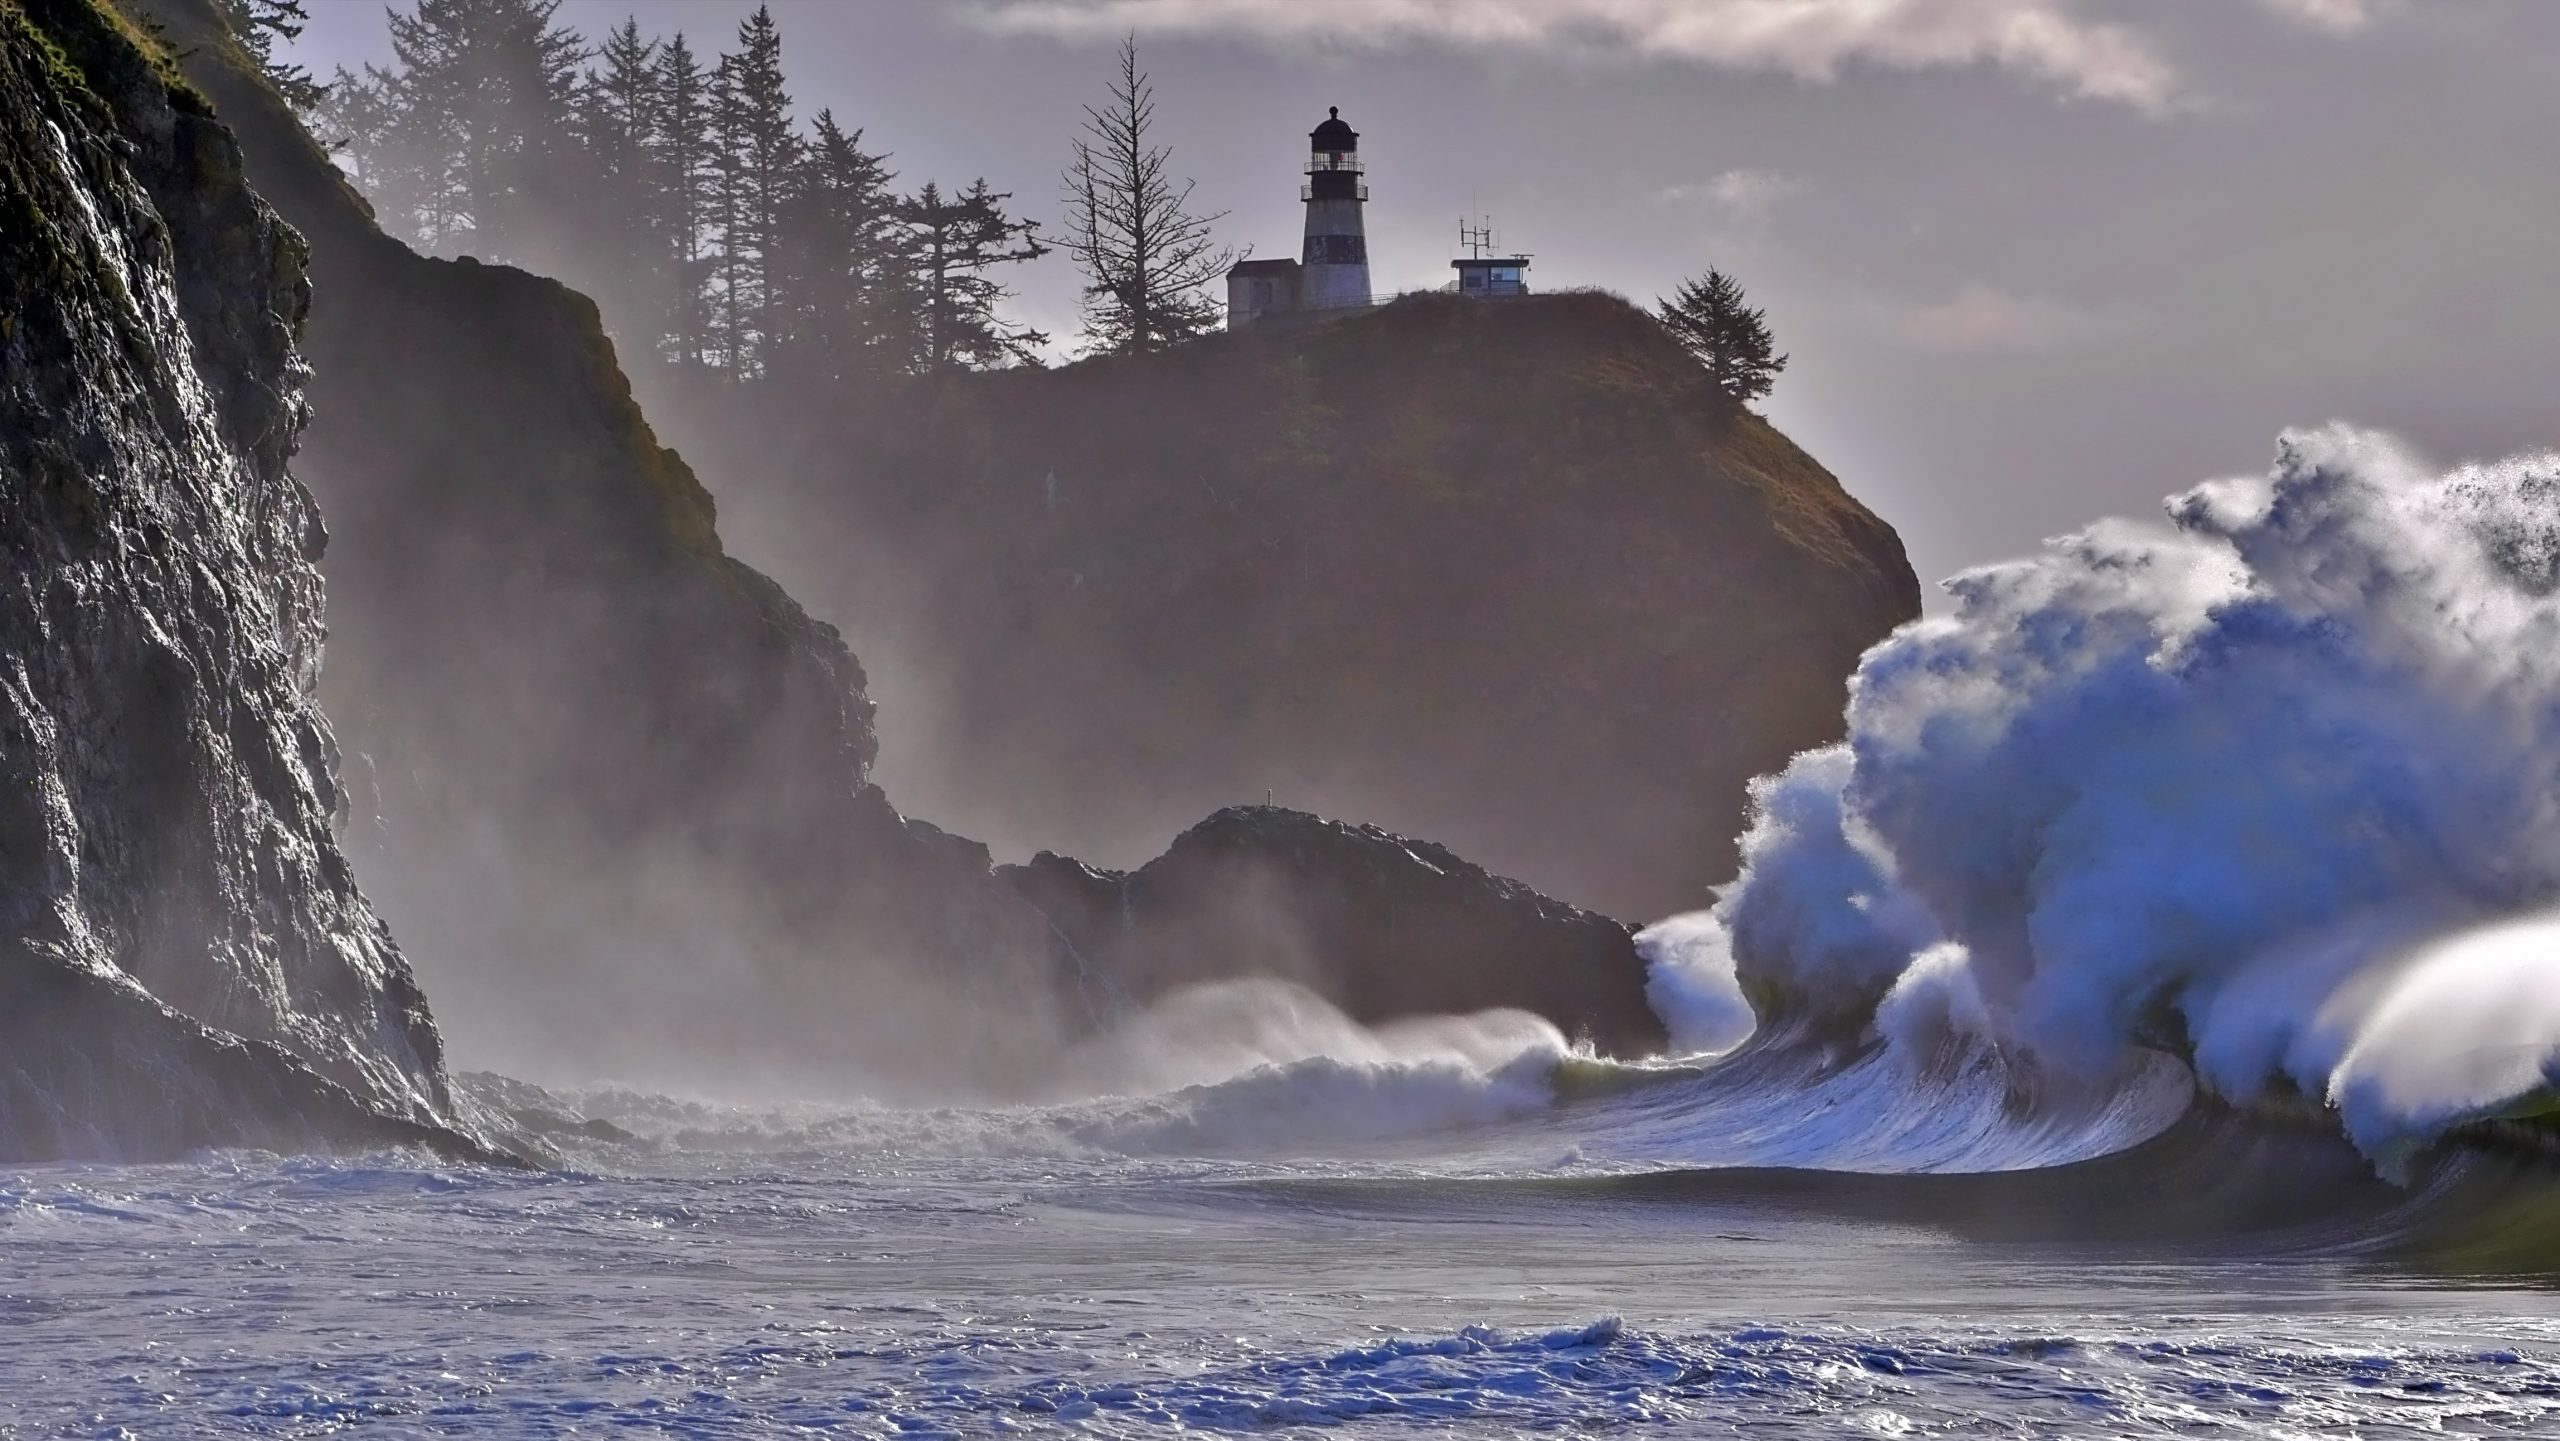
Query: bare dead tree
x=1145, y=256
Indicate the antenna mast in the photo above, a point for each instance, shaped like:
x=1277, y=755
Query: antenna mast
x=1476, y=240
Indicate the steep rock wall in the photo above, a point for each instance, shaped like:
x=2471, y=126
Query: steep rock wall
x=610, y=784
x=184, y=954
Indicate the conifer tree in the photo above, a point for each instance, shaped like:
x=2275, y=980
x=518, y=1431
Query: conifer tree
x=758, y=151
x=617, y=110
x=259, y=24
x=953, y=242
x=687, y=170
x=485, y=87
x=359, y=119
x=621, y=248
x=1145, y=255
x=841, y=296
x=690, y=205
x=1713, y=321
x=428, y=99
x=724, y=197
x=528, y=119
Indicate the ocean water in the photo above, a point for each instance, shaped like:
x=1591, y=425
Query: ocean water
x=1314, y=1247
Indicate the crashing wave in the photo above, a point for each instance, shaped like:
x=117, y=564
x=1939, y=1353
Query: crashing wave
x=1235, y=1068
x=2276, y=789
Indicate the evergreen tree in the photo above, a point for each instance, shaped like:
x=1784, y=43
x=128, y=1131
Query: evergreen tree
x=1145, y=255
x=758, y=151
x=529, y=119
x=622, y=252
x=617, y=111
x=359, y=119
x=953, y=243
x=484, y=88
x=259, y=24
x=1714, y=322
x=687, y=170
x=839, y=281
x=431, y=96
x=724, y=197
x=710, y=230
x=414, y=170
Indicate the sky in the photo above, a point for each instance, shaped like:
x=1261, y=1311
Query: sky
x=2034, y=261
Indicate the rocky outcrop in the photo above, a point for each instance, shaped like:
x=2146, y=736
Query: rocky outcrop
x=185, y=958
x=1384, y=927
x=612, y=783
x=1514, y=575
x=93, y=1068
x=184, y=955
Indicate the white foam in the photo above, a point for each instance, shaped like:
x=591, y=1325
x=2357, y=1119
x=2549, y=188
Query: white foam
x=2462, y=1029
x=2230, y=781
x=1210, y=1033
x=1690, y=984
x=1231, y=1069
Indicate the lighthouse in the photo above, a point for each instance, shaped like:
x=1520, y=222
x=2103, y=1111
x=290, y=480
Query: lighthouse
x=1332, y=271
x=1336, y=258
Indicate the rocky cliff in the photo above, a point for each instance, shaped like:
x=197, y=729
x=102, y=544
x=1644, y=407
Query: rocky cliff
x=1384, y=926
x=184, y=956
x=609, y=784
x=1511, y=575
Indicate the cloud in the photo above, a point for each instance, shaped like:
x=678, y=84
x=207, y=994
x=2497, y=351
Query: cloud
x=2048, y=41
x=1745, y=194
x=1984, y=320
x=2339, y=17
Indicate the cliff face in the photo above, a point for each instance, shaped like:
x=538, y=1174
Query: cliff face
x=182, y=943
x=609, y=784
x=1513, y=575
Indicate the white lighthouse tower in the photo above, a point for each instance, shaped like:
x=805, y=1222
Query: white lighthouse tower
x=1336, y=259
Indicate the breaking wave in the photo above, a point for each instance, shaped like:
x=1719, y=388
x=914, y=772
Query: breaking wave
x=1241, y=1068
x=2274, y=790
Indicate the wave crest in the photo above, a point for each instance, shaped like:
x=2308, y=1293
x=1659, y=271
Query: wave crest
x=2270, y=788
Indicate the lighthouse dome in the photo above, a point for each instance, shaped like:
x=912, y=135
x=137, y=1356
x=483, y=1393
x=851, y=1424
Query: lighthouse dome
x=1333, y=134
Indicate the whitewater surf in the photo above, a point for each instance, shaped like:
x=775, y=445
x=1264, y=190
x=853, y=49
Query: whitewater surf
x=1306, y=1247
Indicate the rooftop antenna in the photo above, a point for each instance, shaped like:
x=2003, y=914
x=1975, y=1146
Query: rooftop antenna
x=1476, y=240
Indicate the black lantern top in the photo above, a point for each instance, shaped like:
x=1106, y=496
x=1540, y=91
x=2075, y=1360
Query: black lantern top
x=1333, y=134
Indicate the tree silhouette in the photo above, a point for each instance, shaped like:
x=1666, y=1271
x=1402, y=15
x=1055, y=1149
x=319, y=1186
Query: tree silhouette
x=1713, y=321
x=714, y=230
x=259, y=24
x=359, y=120
x=619, y=225
x=685, y=171
x=1145, y=255
x=954, y=241
x=483, y=91
x=757, y=153
x=840, y=281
